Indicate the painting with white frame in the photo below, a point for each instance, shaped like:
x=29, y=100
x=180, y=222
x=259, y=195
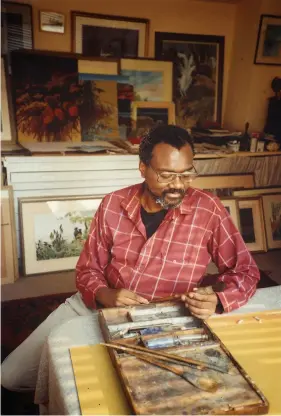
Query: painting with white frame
x=54, y=230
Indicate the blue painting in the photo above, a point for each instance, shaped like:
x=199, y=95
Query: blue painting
x=147, y=85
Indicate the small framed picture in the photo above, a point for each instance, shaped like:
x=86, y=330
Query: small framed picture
x=147, y=115
x=272, y=214
x=268, y=48
x=51, y=22
x=231, y=205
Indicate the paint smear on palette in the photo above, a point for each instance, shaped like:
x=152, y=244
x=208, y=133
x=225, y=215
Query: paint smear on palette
x=147, y=85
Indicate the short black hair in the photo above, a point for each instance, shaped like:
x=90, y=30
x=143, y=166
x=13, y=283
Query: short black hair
x=173, y=135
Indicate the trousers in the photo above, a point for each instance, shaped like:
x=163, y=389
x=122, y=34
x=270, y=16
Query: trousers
x=20, y=369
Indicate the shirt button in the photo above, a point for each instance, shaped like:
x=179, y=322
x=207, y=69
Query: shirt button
x=174, y=261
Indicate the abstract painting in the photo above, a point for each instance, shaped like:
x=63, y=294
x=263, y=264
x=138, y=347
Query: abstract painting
x=47, y=97
x=272, y=214
x=197, y=75
x=109, y=36
x=54, y=231
x=148, y=115
x=268, y=49
x=98, y=110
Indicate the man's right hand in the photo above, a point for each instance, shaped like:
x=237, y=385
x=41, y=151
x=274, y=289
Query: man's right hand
x=111, y=298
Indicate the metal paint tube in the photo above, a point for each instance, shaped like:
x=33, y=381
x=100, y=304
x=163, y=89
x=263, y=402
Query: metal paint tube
x=167, y=342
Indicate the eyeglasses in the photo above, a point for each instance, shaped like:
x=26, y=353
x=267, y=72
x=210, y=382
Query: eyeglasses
x=168, y=177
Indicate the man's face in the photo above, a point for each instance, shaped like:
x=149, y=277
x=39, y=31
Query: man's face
x=166, y=189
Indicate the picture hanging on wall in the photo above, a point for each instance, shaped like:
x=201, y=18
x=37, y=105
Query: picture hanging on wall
x=198, y=62
x=272, y=215
x=109, y=36
x=252, y=223
x=268, y=48
x=52, y=22
x=16, y=26
x=148, y=115
x=54, y=231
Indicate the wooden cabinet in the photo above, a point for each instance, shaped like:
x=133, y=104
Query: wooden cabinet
x=9, y=257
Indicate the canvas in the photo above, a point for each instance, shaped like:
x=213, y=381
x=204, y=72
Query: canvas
x=197, y=75
x=272, y=213
x=54, y=231
x=99, y=114
x=109, y=36
x=151, y=80
x=47, y=97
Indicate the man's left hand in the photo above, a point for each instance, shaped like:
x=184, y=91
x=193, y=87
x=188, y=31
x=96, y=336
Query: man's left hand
x=200, y=304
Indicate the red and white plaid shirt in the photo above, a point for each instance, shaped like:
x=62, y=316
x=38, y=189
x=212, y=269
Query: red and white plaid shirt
x=118, y=254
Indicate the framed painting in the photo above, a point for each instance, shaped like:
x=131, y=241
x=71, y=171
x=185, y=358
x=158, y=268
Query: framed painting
x=47, y=97
x=224, y=185
x=6, y=114
x=257, y=191
x=198, y=62
x=147, y=115
x=231, y=205
x=272, y=215
x=54, y=230
x=109, y=36
x=150, y=79
x=51, y=22
x=268, y=48
x=252, y=223
x=109, y=66
x=16, y=26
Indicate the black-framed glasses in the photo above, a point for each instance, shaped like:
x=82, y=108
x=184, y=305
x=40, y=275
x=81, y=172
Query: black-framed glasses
x=168, y=177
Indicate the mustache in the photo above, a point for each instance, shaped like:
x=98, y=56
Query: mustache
x=174, y=191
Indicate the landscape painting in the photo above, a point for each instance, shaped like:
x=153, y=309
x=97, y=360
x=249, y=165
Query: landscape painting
x=197, y=76
x=54, y=231
x=147, y=85
x=147, y=115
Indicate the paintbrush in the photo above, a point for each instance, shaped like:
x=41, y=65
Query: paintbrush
x=179, y=359
x=202, y=383
x=204, y=290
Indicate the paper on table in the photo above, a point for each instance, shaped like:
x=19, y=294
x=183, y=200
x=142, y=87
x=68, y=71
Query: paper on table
x=98, y=385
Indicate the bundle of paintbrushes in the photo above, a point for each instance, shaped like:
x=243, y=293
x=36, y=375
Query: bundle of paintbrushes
x=202, y=382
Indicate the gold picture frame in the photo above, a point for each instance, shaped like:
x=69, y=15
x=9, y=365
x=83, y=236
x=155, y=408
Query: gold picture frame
x=252, y=223
x=257, y=191
x=224, y=185
x=151, y=114
x=52, y=22
x=272, y=217
x=152, y=80
x=231, y=204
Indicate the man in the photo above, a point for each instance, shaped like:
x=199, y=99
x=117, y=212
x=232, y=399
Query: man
x=148, y=241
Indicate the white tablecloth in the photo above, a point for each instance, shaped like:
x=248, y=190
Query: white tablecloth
x=56, y=384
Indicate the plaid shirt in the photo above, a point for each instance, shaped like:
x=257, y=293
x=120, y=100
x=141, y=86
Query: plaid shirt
x=118, y=254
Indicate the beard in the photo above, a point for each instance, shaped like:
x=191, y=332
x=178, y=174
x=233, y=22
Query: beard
x=165, y=201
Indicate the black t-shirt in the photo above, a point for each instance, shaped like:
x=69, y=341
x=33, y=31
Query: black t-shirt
x=152, y=220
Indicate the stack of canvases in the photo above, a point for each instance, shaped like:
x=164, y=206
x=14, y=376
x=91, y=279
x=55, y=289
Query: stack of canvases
x=256, y=212
x=59, y=97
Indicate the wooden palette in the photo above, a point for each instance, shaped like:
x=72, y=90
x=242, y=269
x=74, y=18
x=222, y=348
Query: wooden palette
x=153, y=390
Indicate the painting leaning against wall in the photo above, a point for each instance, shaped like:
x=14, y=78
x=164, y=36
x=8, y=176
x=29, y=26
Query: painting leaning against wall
x=197, y=75
x=54, y=231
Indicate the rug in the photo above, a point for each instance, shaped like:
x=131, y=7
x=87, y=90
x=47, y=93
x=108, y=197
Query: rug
x=20, y=317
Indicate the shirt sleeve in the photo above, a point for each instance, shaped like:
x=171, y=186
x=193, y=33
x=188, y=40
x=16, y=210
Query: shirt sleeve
x=93, y=259
x=236, y=266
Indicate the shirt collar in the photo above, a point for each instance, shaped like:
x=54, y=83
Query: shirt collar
x=132, y=203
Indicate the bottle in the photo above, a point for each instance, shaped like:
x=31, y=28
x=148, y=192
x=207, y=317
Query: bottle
x=245, y=140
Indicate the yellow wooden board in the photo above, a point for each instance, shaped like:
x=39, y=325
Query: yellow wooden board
x=98, y=385
x=256, y=345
